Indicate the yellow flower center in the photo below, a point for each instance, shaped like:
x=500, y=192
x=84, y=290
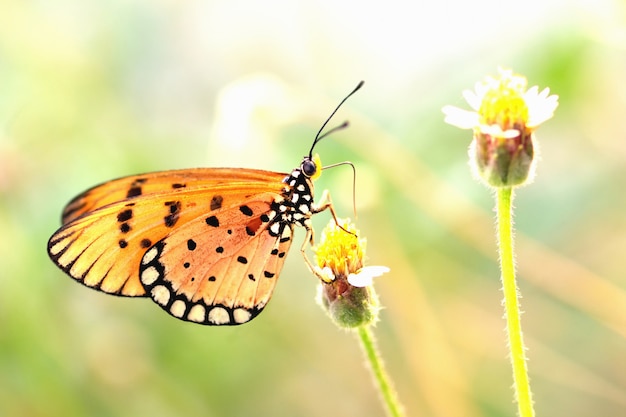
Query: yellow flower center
x=339, y=250
x=503, y=103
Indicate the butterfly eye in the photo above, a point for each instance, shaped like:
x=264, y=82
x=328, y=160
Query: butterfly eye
x=309, y=168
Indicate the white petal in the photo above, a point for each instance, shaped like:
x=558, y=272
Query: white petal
x=326, y=274
x=364, y=277
x=481, y=87
x=541, y=107
x=544, y=93
x=460, y=118
x=532, y=92
x=510, y=133
x=496, y=131
x=473, y=99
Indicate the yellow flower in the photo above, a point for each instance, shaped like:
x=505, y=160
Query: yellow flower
x=345, y=291
x=340, y=250
x=505, y=118
x=503, y=104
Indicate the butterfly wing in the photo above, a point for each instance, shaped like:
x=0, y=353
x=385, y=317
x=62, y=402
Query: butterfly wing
x=221, y=268
x=108, y=228
x=164, y=182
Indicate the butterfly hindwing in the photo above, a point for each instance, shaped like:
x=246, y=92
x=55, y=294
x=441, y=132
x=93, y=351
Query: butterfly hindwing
x=106, y=232
x=220, y=269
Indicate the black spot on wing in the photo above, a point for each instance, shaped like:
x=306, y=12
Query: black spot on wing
x=246, y=210
x=171, y=219
x=253, y=226
x=125, y=215
x=134, y=192
x=216, y=202
x=213, y=221
x=135, y=188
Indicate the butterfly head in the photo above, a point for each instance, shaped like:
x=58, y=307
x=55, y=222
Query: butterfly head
x=311, y=167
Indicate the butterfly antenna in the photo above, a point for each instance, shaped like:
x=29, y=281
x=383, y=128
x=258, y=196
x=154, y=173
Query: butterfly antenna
x=319, y=135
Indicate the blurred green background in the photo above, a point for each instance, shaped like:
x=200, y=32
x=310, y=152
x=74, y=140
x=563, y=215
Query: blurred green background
x=91, y=90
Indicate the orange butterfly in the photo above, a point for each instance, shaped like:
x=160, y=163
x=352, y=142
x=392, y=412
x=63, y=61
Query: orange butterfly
x=205, y=244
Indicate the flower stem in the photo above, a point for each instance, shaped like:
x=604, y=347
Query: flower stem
x=521, y=382
x=383, y=382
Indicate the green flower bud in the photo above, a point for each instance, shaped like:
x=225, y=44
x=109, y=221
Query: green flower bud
x=348, y=306
x=502, y=162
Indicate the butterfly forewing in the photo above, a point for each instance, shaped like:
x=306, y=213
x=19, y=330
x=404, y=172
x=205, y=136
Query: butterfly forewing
x=106, y=232
x=129, y=188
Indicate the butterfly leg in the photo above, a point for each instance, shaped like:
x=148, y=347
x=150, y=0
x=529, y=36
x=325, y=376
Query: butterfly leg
x=314, y=269
x=326, y=203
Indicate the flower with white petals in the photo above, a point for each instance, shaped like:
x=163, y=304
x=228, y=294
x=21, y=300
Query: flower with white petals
x=503, y=104
x=504, y=119
x=346, y=291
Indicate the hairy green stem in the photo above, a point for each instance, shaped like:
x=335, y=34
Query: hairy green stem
x=523, y=394
x=383, y=382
